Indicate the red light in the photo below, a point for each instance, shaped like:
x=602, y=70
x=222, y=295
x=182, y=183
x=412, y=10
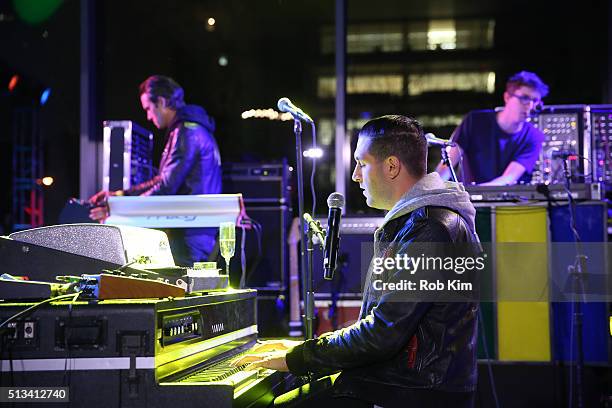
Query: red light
x=13, y=82
x=572, y=157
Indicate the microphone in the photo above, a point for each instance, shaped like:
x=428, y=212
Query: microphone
x=432, y=140
x=285, y=105
x=335, y=202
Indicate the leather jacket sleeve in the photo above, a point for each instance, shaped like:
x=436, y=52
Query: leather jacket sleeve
x=183, y=148
x=142, y=187
x=384, y=331
x=379, y=336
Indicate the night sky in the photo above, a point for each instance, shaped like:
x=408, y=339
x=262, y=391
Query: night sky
x=273, y=50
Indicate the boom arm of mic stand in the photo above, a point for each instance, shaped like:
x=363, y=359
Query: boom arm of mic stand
x=447, y=161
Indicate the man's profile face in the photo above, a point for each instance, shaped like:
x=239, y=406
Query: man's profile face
x=369, y=174
x=156, y=113
x=521, y=102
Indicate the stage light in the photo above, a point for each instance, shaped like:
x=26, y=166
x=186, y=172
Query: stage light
x=211, y=21
x=46, y=181
x=266, y=114
x=13, y=83
x=315, y=153
x=44, y=96
x=223, y=61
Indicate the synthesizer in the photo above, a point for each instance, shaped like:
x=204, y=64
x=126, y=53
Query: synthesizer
x=538, y=192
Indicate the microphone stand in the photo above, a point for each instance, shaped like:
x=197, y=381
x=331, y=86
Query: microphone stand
x=306, y=262
x=578, y=273
x=447, y=161
x=309, y=299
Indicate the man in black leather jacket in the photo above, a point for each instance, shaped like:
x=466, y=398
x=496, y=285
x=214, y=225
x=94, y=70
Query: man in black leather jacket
x=190, y=163
x=403, y=350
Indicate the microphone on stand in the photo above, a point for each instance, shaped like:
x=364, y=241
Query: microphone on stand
x=432, y=140
x=335, y=202
x=285, y=105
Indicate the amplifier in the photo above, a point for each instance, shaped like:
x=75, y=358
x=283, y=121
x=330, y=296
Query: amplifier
x=354, y=255
x=266, y=249
x=259, y=183
x=266, y=194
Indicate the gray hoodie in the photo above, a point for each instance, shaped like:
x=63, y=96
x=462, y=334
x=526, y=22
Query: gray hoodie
x=431, y=190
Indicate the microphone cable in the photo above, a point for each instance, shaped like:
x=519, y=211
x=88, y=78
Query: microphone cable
x=314, y=169
x=486, y=350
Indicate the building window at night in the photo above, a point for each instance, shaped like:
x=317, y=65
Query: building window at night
x=438, y=121
x=414, y=35
x=327, y=129
x=366, y=38
x=389, y=84
x=451, y=81
x=474, y=34
x=441, y=35
x=374, y=38
x=450, y=34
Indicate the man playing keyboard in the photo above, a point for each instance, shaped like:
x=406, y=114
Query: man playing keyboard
x=401, y=352
x=190, y=163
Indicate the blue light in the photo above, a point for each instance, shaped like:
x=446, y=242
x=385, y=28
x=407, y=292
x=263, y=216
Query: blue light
x=44, y=96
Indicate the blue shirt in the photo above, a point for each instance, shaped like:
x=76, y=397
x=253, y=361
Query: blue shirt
x=488, y=150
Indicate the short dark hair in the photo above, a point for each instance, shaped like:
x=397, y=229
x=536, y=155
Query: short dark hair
x=162, y=86
x=400, y=136
x=529, y=79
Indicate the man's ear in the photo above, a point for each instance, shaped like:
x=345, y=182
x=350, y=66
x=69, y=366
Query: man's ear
x=162, y=102
x=506, y=97
x=393, y=166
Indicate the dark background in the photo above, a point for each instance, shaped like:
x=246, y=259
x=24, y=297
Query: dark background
x=273, y=48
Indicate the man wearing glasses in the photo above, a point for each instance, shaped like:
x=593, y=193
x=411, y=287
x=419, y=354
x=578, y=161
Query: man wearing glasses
x=500, y=148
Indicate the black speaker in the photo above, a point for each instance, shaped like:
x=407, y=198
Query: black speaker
x=266, y=250
x=354, y=255
x=265, y=189
x=272, y=314
x=259, y=183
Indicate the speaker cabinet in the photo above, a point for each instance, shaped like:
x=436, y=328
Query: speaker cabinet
x=354, y=255
x=266, y=250
x=265, y=189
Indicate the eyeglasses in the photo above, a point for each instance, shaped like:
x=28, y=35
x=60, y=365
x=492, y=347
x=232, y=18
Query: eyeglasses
x=524, y=99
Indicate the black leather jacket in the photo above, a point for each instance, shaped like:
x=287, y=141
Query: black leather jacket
x=190, y=163
x=401, y=344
